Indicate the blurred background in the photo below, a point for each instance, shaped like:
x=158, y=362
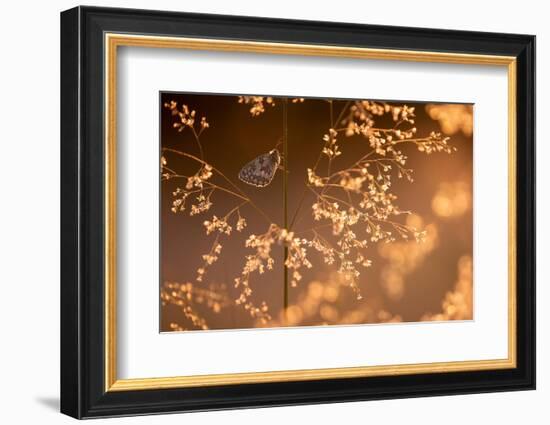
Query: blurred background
x=407, y=281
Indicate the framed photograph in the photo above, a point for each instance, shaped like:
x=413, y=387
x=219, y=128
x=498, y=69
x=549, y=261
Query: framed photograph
x=261, y=212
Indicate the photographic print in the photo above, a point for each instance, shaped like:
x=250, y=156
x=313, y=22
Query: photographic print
x=287, y=211
x=310, y=213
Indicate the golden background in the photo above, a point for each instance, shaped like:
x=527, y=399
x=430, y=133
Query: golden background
x=408, y=280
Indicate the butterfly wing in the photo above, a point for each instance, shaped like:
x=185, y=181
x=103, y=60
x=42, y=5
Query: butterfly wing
x=260, y=171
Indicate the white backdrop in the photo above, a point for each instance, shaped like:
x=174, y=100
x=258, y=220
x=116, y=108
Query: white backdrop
x=144, y=72
x=29, y=225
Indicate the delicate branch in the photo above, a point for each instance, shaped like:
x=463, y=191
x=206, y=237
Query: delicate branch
x=354, y=202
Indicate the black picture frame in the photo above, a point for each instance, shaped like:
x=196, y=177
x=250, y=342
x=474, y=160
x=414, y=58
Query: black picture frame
x=83, y=392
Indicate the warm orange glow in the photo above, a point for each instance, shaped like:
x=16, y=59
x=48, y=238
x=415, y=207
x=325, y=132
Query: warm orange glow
x=379, y=211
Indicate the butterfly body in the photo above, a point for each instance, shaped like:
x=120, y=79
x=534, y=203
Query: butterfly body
x=260, y=171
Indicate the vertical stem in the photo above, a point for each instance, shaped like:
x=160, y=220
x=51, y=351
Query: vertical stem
x=332, y=125
x=285, y=201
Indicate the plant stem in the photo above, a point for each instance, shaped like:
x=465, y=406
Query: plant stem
x=285, y=203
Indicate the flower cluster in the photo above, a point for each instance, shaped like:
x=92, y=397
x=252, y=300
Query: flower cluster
x=190, y=299
x=201, y=188
x=331, y=149
x=261, y=260
x=314, y=179
x=358, y=198
x=258, y=262
x=210, y=258
x=384, y=141
x=217, y=225
x=186, y=117
x=198, y=179
x=195, y=185
x=257, y=103
x=220, y=226
x=296, y=254
x=354, y=202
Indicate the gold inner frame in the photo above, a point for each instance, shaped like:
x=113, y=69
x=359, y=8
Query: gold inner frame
x=113, y=41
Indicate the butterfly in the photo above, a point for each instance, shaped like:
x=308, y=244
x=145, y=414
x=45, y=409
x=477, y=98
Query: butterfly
x=260, y=171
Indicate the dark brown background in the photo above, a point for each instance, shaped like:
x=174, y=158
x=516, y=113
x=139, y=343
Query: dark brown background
x=233, y=139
